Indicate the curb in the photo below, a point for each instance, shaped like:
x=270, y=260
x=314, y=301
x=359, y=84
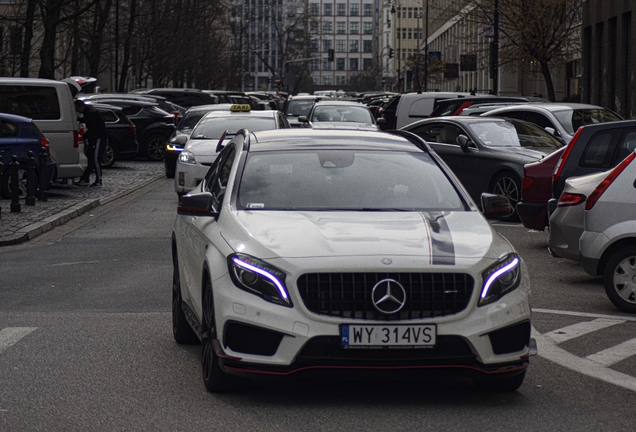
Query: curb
x=31, y=231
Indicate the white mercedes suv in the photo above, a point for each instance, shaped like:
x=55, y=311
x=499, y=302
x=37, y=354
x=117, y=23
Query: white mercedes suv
x=345, y=253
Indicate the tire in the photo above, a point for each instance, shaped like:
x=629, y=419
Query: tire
x=619, y=279
x=22, y=182
x=500, y=385
x=507, y=184
x=109, y=157
x=214, y=378
x=181, y=330
x=155, y=147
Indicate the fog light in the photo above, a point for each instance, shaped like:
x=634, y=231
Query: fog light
x=181, y=179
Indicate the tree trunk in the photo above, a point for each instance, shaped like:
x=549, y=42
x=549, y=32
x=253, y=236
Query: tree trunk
x=97, y=36
x=75, y=53
x=50, y=20
x=28, y=37
x=545, y=70
x=125, y=64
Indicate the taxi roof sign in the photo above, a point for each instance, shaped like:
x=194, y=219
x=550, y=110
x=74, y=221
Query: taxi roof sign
x=240, y=108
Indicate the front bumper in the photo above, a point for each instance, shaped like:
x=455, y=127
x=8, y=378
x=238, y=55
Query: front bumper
x=591, y=246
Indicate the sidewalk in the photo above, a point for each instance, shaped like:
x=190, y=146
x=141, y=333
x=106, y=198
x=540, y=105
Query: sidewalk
x=66, y=202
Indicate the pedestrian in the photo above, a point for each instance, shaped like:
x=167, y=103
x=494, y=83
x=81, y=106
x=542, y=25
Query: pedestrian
x=94, y=142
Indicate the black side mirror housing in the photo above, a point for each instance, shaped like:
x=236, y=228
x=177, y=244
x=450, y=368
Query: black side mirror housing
x=381, y=120
x=197, y=204
x=302, y=119
x=495, y=206
x=463, y=142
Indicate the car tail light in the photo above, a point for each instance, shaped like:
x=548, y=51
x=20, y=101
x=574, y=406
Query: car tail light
x=44, y=142
x=133, y=128
x=602, y=187
x=526, y=183
x=569, y=199
x=561, y=163
x=76, y=139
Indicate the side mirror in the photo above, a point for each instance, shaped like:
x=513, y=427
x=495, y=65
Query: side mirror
x=198, y=204
x=381, y=120
x=464, y=142
x=302, y=119
x=495, y=206
x=181, y=140
x=551, y=131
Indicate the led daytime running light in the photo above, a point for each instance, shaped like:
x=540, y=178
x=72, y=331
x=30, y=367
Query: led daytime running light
x=496, y=274
x=263, y=273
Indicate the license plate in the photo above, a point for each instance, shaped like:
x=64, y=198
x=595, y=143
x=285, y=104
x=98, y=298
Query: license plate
x=388, y=335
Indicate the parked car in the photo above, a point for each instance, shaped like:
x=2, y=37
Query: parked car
x=456, y=105
x=487, y=154
x=18, y=136
x=336, y=114
x=184, y=97
x=184, y=128
x=292, y=260
x=122, y=135
x=169, y=107
x=296, y=106
x=208, y=136
x=387, y=112
x=153, y=125
x=566, y=222
x=561, y=119
x=608, y=242
x=412, y=107
x=51, y=106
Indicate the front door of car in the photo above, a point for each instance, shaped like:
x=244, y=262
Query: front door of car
x=442, y=137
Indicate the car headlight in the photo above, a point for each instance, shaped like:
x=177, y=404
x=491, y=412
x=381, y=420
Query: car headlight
x=174, y=147
x=187, y=156
x=500, y=279
x=258, y=277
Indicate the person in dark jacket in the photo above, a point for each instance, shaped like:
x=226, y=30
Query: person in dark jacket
x=94, y=142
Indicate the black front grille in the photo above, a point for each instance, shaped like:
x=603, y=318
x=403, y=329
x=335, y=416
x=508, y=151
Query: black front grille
x=348, y=295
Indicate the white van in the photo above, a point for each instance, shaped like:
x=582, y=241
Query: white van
x=417, y=106
x=51, y=106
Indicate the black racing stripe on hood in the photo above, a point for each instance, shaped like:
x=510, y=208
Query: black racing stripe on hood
x=441, y=240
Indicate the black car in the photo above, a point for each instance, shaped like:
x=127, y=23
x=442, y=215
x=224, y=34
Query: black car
x=487, y=154
x=388, y=113
x=154, y=126
x=122, y=135
x=181, y=96
x=169, y=107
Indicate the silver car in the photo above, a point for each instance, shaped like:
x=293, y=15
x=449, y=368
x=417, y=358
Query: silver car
x=566, y=223
x=608, y=242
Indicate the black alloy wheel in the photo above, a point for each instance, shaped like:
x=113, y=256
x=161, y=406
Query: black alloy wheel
x=155, y=148
x=508, y=185
x=108, y=158
x=181, y=330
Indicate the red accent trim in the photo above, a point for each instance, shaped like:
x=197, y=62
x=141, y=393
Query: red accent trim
x=526, y=183
x=374, y=368
x=75, y=139
x=607, y=181
x=461, y=108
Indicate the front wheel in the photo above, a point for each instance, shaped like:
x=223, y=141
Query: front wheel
x=619, y=279
x=501, y=385
x=108, y=158
x=155, y=148
x=508, y=185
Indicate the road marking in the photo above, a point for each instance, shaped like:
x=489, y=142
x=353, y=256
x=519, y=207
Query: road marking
x=570, y=332
x=11, y=335
x=614, y=354
x=73, y=263
x=584, y=314
x=584, y=366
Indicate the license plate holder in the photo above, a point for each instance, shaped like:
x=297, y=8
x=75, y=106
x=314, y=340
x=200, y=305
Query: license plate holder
x=388, y=335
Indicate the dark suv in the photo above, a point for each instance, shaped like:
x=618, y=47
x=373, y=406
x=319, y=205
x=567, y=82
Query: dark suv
x=181, y=96
x=122, y=135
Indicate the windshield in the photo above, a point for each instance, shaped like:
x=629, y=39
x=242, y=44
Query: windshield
x=345, y=180
x=572, y=120
x=190, y=120
x=513, y=133
x=353, y=114
x=299, y=107
x=213, y=128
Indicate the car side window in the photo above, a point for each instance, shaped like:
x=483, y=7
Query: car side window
x=427, y=132
x=598, y=152
x=539, y=119
x=8, y=129
x=513, y=114
x=627, y=145
x=219, y=182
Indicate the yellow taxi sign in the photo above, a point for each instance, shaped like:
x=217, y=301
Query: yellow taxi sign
x=240, y=107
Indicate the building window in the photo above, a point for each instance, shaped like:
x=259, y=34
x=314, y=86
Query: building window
x=341, y=9
x=314, y=9
x=354, y=9
x=367, y=64
x=353, y=64
x=327, y=44
x=354, y=27
x=327, y=80
x=327, y=27
x=315, y=65
x=367, y=46
x=328, y=9
x=315, y=80
x=354, y=46
x=326, y=65
x=340, y=64
x=341, y=80
x=341, y=27
x=340, y=45
x=410, y=15
x=403, y=33
x=410, y=33
x=315, y=45
x=367, y=27
x=397, y=31
x=368, y=9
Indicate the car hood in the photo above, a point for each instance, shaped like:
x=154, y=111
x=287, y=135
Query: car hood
x=202, y=147
x=446, y=238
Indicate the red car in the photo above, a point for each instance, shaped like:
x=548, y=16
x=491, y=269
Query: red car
x=536, y=191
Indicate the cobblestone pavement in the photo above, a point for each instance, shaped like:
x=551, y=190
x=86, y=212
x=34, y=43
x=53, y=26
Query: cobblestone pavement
x=67, y=201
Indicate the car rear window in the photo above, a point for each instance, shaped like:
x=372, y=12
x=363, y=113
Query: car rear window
x=35, y=102
x=571, y=120
x=346, y=180
x=299, y=107
x=213, y=128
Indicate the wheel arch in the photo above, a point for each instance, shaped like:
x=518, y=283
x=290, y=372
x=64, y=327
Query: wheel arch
x=612, y=249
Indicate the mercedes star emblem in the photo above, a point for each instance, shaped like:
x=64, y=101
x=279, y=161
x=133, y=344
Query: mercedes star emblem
x=388, y=296
x=387, y=261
